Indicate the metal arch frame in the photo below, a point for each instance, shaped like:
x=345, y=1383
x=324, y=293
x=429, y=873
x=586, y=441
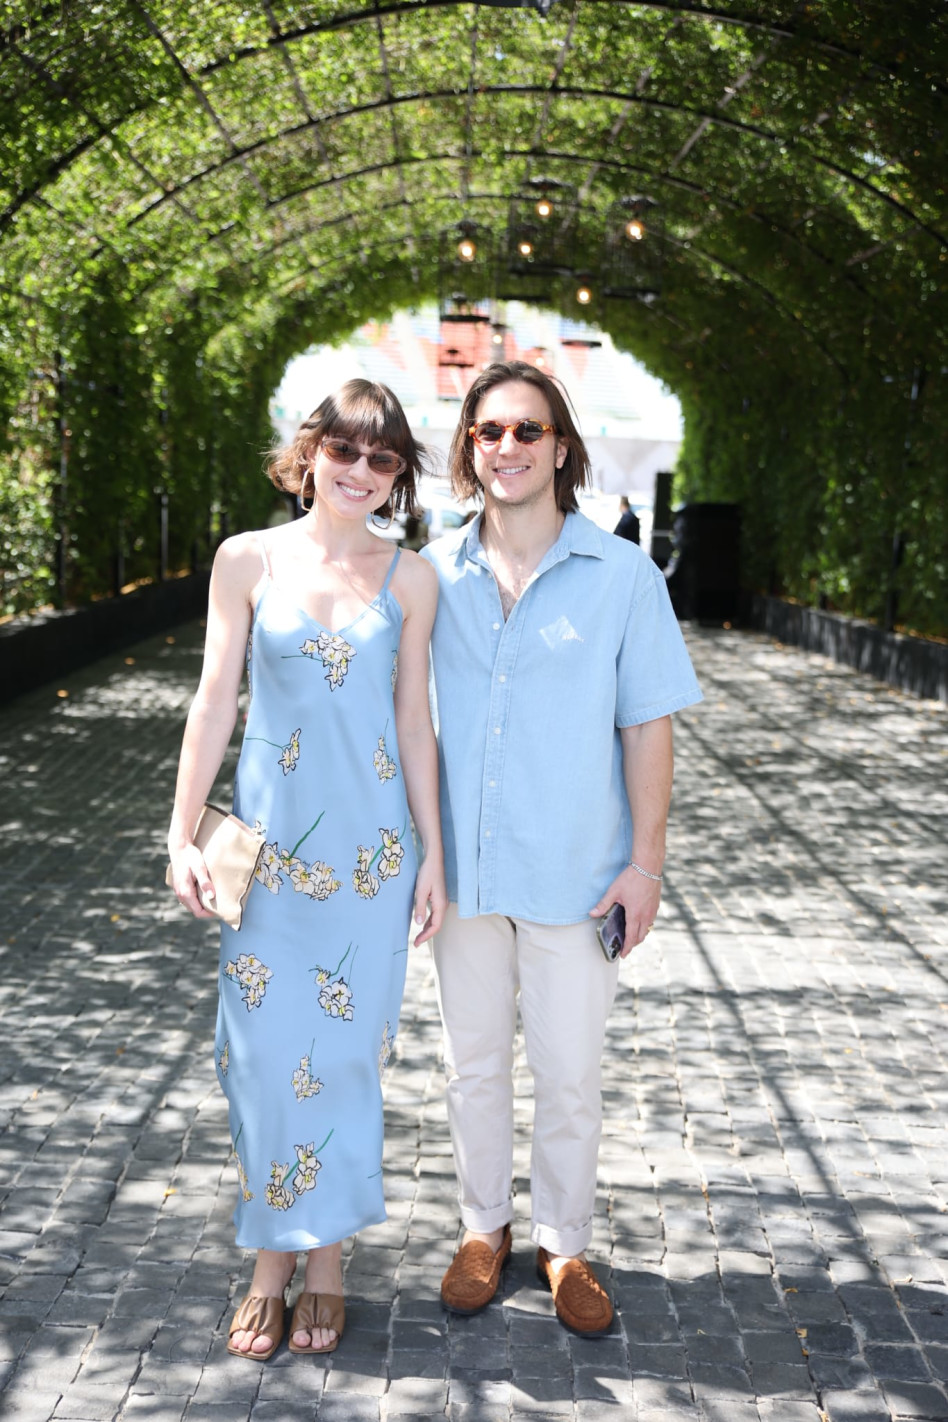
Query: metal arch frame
x=391, y=101
x=653, y=176
x=708, y=257
x=675, y=7
x=527, y=90
x=11, y=37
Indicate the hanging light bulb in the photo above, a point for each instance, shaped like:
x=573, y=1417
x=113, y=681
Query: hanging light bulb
x=544, y=207
x=635, y=229
x=584, y=296
x=467, y=250
x=525, y=247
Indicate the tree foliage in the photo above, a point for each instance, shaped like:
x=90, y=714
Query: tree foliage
x=190, y=195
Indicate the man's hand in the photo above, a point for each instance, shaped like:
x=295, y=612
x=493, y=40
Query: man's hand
x=639, y=897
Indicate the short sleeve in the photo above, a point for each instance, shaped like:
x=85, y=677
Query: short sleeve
x=654, y=675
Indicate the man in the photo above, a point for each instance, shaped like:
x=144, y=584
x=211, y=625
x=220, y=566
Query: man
x=557, y=663
x=628, y=525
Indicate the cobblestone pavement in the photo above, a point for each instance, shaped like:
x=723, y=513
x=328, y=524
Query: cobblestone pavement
x=772, y=1211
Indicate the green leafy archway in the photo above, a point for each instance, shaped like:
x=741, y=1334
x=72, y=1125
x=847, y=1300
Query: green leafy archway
x=192, y=194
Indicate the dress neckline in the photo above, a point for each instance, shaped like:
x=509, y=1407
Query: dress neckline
x=304, y=612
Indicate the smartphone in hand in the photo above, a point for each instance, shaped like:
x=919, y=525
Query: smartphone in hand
x=610, y=930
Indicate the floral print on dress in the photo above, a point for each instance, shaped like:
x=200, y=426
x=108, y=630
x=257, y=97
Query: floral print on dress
x=276, y=1194
x=248, y=662
x=335, y=994
x=307, y=1167
x=315, y=880
x=385, y=767
x=291, y=752
x=245, y=1189
x=365, y=884
x=385, y=1047
x=304, y=1084
x=223, y=1061
x=336, y=999
x=301, y=1175
x=394, y=668
x=335, y=654
x=268, y=868
x=390, y=860
x=250, y=974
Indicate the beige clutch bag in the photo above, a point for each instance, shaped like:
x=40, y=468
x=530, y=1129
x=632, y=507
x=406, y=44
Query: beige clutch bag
x=231, y=852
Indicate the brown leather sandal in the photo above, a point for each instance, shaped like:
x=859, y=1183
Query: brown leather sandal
x=318, y=1311
x=258, y=1314
x=473, y=1275
x=582, y=1304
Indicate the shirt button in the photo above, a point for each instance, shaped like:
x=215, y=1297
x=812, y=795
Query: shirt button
x=487, y=834
x=496, y=626
x=492, y=784
x=501, y=677
x=496, y=730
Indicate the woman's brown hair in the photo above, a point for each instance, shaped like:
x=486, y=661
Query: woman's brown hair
x=575, y=471
x=361, y=411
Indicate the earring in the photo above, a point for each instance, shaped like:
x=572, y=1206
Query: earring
x=307, y=500
x=387, y=524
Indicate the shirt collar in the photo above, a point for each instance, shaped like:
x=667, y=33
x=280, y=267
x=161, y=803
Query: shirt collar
x=578, y=535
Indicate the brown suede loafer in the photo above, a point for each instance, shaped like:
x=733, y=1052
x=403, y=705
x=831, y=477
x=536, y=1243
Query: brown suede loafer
x=582, y=1304
x=472, y=1279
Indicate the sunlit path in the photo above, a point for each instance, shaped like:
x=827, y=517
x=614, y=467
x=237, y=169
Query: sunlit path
x=775, y=1167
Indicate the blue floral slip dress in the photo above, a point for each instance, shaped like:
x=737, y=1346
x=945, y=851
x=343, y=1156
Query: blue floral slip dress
x=311, y=985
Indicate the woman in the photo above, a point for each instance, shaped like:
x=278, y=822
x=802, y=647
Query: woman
x=334, y=629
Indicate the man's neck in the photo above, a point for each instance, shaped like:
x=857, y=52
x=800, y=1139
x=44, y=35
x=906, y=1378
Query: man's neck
x=521, y=536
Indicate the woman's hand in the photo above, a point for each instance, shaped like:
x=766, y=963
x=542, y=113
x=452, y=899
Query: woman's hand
x=189, y=873
x=431, y=898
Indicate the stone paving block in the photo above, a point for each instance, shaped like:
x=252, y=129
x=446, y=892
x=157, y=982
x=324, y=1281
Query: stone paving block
x=90, y=1403
x=29, y=1404
x=728, y=1409
x=197, y=1412
x=896, y=1361
x=912, y=1399
x=782, y=1410
x=416, y=1396
x=477, y=1412
x=781, y=1379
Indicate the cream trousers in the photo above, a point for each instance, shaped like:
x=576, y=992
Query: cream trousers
x=566, y=990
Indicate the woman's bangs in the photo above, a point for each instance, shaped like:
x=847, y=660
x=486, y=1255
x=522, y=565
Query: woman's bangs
x=365, y=421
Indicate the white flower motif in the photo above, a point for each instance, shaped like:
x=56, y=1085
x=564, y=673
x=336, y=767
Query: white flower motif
x=390, y=860
x=306, y=1170
x=223, y=1061
x=385, y=767
x=335, y=654
x=364, y=883
x=394, y=669
x=316, y=881
x=385, y=1047
x=276, y=1194
x=303, y=1084
x=251, y=975
x=291, y=752
x=336, y=999
x=242, y=1178
x=268, y=868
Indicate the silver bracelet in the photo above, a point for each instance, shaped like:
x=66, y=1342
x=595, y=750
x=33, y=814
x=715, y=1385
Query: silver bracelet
x=656, y=878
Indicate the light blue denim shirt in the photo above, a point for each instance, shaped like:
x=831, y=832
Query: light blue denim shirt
x=534, y=812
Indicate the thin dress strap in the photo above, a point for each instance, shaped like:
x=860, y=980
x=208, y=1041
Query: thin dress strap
x=391, y=569
x=263, y=556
